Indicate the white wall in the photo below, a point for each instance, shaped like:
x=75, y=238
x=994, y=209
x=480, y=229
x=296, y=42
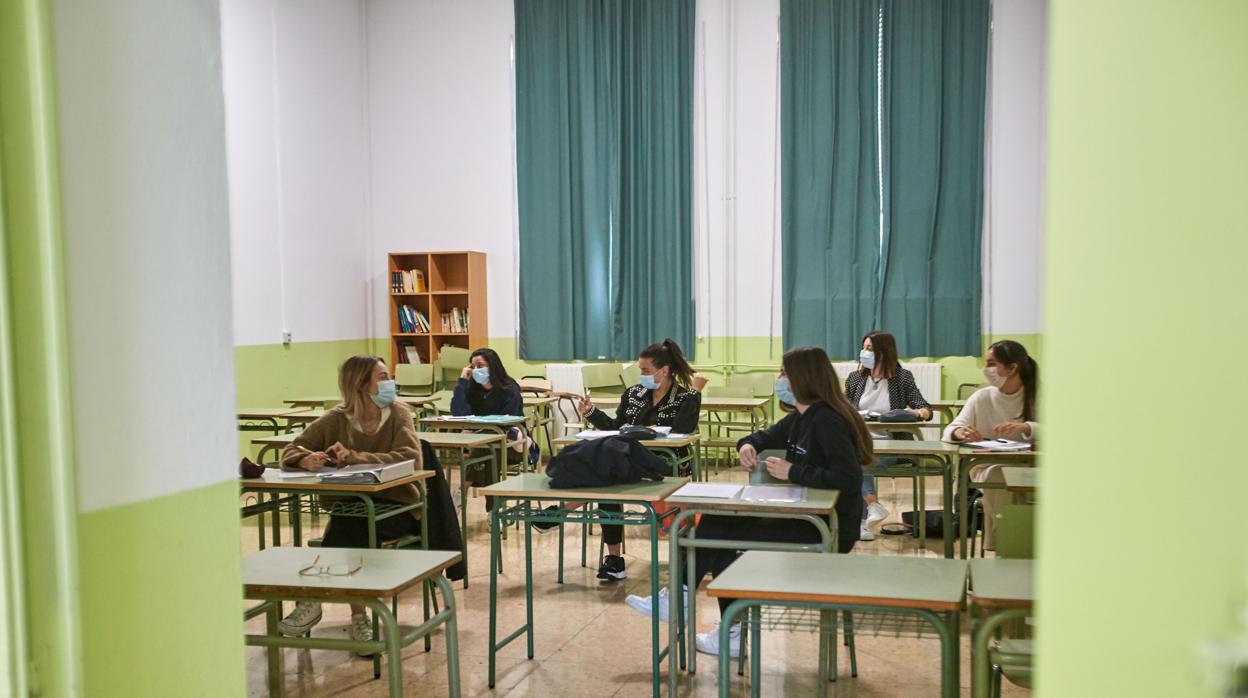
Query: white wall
x=295, y=96
x=146, y=245
x=433, y=158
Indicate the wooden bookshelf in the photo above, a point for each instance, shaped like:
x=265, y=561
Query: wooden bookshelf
x=452, y=280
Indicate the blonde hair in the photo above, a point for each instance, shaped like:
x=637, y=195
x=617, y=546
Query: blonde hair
x=354, y=377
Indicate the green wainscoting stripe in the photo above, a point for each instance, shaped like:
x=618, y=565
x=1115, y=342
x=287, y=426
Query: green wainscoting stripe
x=46, y=641
x=266, y=374
x=156, y=578
x=1141, y=525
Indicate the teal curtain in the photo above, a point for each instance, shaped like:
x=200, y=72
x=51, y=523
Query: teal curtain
x=604, y=102
x=934, y=82
x=830, y=204
x=882, y=114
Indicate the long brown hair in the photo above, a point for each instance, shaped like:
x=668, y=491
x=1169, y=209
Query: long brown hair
x=812, y=380
x=354, y=376
x=667, y=353
x=1007, y=351
x=884, y=344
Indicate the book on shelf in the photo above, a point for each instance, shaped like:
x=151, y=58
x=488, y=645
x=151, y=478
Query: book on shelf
x=456, y=321
x=408, y=281
x=413, y=356
x=412, y=321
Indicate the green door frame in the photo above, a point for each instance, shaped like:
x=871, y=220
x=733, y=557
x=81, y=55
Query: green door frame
x=38, y=544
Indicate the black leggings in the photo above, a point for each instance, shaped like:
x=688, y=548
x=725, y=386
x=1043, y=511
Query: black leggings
x=352, y=531
x=612, y=534
x=748, y=528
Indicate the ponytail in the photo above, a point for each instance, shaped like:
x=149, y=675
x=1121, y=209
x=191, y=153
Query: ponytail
x=1007, y=351
x=667, y=354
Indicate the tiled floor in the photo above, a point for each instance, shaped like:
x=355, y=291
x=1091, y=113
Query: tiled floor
x=589, y=643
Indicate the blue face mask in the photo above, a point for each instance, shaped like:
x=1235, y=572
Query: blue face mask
x=386, y=392
x=783, y=392
x=481, y=375
x=866, y=357
x=649, y=382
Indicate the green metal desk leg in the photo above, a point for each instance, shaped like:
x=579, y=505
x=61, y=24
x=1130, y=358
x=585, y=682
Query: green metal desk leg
x=949, y=662
x=452, y=636
x=528, y=578
x=394, y=648
x=827, y=642
x=655, y=661
x=946, y=513
x=979, y=647
x=274, y=652
x=725, y=659
x=463, y=513
x=963, y=484
x=494, y=557
x=560, y=579
x=827, y=623
x=756, y=652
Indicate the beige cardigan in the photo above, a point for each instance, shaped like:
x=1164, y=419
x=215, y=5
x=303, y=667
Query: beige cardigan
x=395, y=440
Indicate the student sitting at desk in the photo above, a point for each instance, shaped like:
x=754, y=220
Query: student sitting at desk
x=485, y=388
x=369, y=426
x=880, y=385
x=826, y=445
x=1004, y=409
x=664, y=398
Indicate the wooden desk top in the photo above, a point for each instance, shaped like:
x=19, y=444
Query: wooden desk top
x=268, y=412
x=537, y=486
x=538, y=400
x=901, y=426
x=945, y=404
x=442, y=439
x=981, y=454
x=305, y=415
x=313, y=482
x=312, y=400
x=274, y=440
x=416, y=400
x=384, y=572
x=686, y=440
x=999, y=583
x=902, y=447
x=877, y=580
x=1019, y=479
x=818, y=502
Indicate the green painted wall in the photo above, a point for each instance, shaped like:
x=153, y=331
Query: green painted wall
x=1142, y=525
x=143, y=565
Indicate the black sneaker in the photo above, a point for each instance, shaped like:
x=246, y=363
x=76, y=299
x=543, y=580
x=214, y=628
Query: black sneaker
x=545, y=526
x=612, y=569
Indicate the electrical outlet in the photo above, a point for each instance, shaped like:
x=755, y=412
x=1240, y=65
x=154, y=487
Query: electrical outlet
x=285, y=338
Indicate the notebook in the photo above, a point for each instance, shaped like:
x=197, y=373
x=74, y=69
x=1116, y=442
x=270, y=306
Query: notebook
x=370, y=473
x=1001, y=445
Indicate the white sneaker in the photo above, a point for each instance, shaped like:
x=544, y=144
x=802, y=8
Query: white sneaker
x=865, y=533
x=876, y=513
x=362, y=631
x=708, y=643
x=300, y=620
x=645, y=605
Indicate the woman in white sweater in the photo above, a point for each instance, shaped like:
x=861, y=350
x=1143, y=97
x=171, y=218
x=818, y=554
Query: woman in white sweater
x=1005, y=409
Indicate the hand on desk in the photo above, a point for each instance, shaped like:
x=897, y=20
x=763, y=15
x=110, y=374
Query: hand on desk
x=967, y=434
x=338, y=452
x=749, y=457
x=779, y=468
x=314, y=461
x=1010, y=430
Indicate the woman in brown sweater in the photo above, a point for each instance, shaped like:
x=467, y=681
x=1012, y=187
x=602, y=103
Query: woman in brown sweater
x=368, y=427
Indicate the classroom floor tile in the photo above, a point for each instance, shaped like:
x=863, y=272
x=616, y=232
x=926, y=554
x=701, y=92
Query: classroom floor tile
x=589, y=643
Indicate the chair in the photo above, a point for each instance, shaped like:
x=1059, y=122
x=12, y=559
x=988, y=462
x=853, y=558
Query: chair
x=630, y=374
x=414, y=379
x=451, y=362
x=1012, y=656
x=965, y=390
x=1016, y=531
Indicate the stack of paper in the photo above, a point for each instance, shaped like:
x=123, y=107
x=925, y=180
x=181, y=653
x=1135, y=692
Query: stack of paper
x=774, y=493
x=596, y=434
x=708, y=490
x=1001, y=445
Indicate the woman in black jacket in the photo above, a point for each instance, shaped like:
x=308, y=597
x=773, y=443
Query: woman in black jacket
x=879, y=385
x=665, y=397
x=826, y=445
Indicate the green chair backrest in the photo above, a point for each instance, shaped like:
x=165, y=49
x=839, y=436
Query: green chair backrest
x=1016, y=531
x=762, y=383
x=451, y=362
x=630, y=374
x=728, y=391
x=414, y=379
x=759, y=475
x=602, y=377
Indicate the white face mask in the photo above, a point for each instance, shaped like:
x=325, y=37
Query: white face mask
x=994, y=377
x=866, y=357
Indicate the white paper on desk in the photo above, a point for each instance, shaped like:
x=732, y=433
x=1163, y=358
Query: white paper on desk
x=710, y=490
x=670, y=435
x=774, y=493
x=1001, y=445
x=596, y=434
x=454, y=418
x=664, y=430
x=273, y=474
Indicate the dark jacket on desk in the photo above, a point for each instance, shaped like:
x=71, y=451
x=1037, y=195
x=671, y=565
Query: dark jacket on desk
x=472, y=398
x=614, y=460
x=679, y=410
x=821, y=447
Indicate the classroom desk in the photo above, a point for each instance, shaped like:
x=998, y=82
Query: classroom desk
x=819, y=509
x=272, y=575
x=948, y=409
x=317, y=402
x=274, y=442
x=543, y=415
x=454, y=443
x=1003, y=589
x=498, y=424
x=931, y=458
x=264, y=418
x=530, y=491
x=666, y=448
x=1020, y=481
x=969, y=458
x=304, y=417
x=915, y=428
x=335, y=498
x=931, y=589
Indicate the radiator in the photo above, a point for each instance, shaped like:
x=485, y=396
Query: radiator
x=566, y=378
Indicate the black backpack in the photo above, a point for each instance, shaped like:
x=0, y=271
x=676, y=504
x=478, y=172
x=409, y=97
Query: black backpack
x=602, y=462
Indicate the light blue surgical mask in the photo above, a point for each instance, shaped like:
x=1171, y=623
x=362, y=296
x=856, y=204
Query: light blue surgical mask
x=783, y=392
x=481, y=375
x=649, y=382
x=866, y=357
x=386, y=392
